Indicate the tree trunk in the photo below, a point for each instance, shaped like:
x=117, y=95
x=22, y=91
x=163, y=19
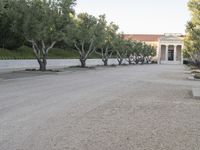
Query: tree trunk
x=142, y=60
x=120, y=61
x=105, y=62
x=137, y=60
x=197, y=64
x=148, y=60
x=83, y=63
x=129, y=61
x=41, y=54
x=43, y=66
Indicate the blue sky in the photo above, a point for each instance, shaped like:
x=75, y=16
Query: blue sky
x=140, y=16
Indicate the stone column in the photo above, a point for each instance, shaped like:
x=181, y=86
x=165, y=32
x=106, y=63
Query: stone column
x=166, y=52
x=159, y=54
x=175, y=48
x=182, y=47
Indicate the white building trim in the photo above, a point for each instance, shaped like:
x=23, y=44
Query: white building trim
x=171, y=42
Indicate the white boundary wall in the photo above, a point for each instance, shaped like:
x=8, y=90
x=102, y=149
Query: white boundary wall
x=51, y=63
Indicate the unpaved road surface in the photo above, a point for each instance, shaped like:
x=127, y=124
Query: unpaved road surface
x=147, y=107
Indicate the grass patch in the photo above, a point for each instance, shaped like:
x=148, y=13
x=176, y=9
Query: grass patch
x=25, y=52
x=57, y=53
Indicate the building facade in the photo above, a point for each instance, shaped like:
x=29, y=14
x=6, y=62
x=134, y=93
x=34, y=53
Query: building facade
x=169, y=46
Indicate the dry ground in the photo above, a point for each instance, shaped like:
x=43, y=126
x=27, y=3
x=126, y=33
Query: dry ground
x=147, y=107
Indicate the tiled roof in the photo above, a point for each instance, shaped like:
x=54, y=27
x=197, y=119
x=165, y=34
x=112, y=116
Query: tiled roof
x=143, y=37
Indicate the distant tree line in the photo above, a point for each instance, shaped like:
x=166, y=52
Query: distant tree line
x=44, y=24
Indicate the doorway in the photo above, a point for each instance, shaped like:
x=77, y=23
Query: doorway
x=170, y=55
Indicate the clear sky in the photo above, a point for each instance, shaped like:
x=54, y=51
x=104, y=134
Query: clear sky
x=140, y=16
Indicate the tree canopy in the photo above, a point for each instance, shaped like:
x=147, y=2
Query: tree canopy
x=42, y=23
x=192, y=39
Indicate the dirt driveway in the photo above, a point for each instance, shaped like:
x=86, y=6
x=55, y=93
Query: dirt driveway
x=146, y=107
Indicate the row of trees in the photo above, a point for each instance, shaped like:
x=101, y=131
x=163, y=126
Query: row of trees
x=45, y=23
x=192, y=39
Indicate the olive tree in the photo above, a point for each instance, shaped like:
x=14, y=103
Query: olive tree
x=42, y=23
x=120, y=48
x=107, y=33
x=129, y=45
x=84, y=35
x=150, y=53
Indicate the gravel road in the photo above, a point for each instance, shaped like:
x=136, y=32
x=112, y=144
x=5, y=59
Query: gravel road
x=146, y=107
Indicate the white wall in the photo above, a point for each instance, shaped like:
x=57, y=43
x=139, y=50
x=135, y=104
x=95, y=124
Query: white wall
x=51, y=63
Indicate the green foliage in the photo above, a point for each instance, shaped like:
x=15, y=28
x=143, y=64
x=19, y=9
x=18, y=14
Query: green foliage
x=8, y=38
x=119, y=44
x=42, y=23
x=41, y=20
x=106, y=36
x=192, y=39
x=84, y=35
x=22, y=52
x=120, y=48
x=106, y=33
x=133, y=50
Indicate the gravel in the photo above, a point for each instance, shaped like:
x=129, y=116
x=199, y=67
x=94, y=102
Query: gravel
x=144, y=107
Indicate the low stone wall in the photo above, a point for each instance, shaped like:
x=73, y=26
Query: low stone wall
x=51, y=63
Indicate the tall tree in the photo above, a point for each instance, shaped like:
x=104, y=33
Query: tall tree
x=130, y=50
x=120, y=48
x=42, y=23
x=192, y=39
x=107, y=34
x=84, y=36
x=138, y=46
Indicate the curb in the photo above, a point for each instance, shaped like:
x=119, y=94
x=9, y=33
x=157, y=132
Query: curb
x=196, y=93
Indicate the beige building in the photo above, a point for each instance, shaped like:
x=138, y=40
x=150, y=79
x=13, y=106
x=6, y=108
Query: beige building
x=169, y=46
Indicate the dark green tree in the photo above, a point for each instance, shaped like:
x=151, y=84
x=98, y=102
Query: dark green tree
x=8, y=38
